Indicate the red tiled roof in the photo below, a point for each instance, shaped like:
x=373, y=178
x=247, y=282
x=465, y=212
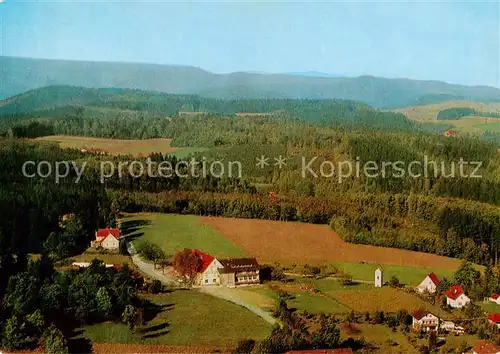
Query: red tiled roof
x=206, y=259
x=434, y=278
x=494, y=296
x=483, y=347
x=494, y=317
x=454, y=292
x=105, y=232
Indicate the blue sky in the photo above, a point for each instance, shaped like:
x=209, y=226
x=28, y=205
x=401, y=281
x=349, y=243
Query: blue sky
x=440, y=40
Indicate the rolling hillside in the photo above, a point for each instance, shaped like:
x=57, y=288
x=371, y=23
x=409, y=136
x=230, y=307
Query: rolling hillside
x=21, y=74
x=485, y=117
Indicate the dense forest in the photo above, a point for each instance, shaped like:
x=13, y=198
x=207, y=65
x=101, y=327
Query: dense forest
x=134, y=114
x=459, y=112
x=424, y=209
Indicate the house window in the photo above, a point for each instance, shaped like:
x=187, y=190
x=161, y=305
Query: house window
x=213, y=281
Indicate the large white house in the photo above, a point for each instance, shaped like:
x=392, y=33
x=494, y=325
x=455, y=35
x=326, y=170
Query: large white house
x=226, y=272
x=455, y=297
x=429, y=284
x=424, y=321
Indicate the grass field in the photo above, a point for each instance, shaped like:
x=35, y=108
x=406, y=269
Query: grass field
x=379, y=335
x=383, y=299
x=406, y=275
x=120, y=147
x=176, y=232
x=287, y=243
x=116, y=259
x=188, y=318
x=489, y=307
x=429, y=112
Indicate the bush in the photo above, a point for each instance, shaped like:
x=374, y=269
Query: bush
x=394, y=282
x=345, y=278
x=54, y=341
x=245, y=346
x=155, y=287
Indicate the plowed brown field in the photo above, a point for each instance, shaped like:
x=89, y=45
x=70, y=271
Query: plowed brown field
x=300, y=243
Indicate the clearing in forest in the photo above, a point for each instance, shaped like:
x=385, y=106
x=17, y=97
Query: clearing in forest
x=115, y=146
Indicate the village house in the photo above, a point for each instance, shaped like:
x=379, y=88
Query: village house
x=227, y=272
x=483, y=347
x=423, y=320
x=107, y=238
x=495, y=298
x=429, y=284
x=455, y=297
x=450, y=133
x=494, y=318
x=239, y=271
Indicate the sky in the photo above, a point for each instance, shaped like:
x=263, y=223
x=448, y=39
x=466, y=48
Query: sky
x=456, y=42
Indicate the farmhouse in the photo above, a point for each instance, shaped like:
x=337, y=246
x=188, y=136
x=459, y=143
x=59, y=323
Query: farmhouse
x=495, y=298
x=450, y=133
x=209, y=271
x=483, y=347
x=227, y=272
x=107, y=238
x=494, y=318
x=239, y=271
x=424, y=321
x=429, y=284
x=455, y=296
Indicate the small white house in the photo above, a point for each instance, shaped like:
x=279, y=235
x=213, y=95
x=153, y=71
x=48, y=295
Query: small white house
x=379, y=277
x=495, y=298
x=429, y=284
x=423, y=320
x=107, y=238
x=455, y=297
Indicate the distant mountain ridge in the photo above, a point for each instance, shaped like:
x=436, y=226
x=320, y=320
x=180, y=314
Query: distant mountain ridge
x=18, y=75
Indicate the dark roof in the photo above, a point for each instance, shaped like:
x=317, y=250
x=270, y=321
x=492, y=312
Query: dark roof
x=420, y=313
x=239, y=264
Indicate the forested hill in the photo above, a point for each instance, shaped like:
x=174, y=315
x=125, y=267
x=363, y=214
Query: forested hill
x=127, y=113
x=21, y=74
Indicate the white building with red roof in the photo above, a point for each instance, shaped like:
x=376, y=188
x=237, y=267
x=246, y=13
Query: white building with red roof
x=455, y=297
x=107, y=238
x=209, y=271
x=495, y=298
x=429, y=284
x=494, y=318
x=226, y=272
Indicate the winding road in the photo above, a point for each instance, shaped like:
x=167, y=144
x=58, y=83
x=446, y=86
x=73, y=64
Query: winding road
x=216, y=291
